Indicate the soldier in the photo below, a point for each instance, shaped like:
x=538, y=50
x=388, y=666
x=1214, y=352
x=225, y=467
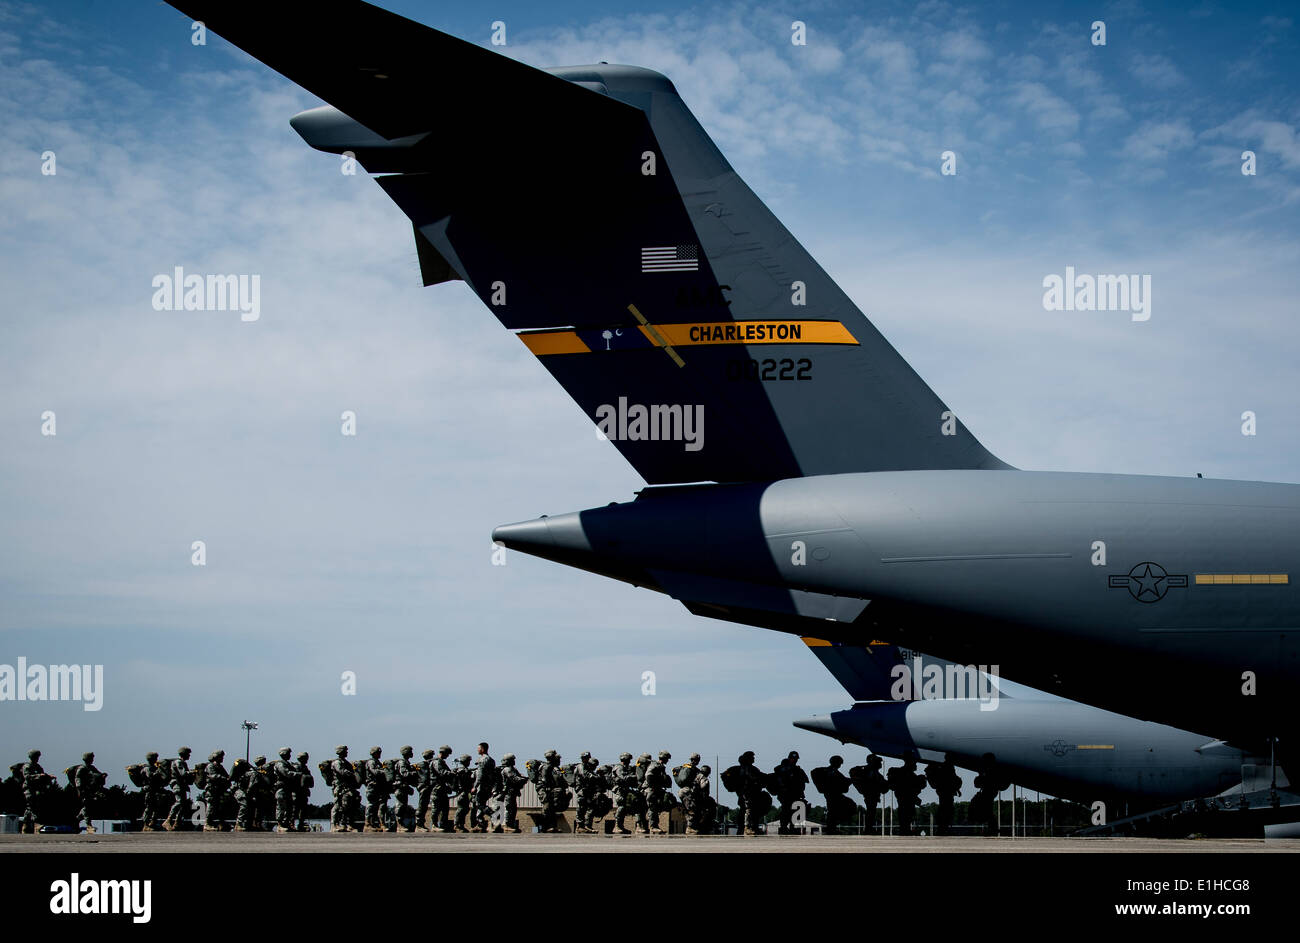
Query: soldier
x=154, y=789
x=684, y=776
x=485, y=784
x=345, y=781
x=627, y=795
x=36, y=782
x=551, y=791
x=426, y=779
x=574, y=776
x=216, y=782
x=403, y=773
x=464, y=787
x=790, y=781
x=286, y=791
x=834, y=785
x=444, y=788
x=302, y=791
x=378, y=787
x=243, y=780
x=261, y=789
x=178, y=816
x=704, y=810
x=989, y=783
x=511, y=784
x=943, y=779
x=657, y=797
x=592, y=800
x=749, y=784
x=89, y=785
x=868, y=781
x=906, y=785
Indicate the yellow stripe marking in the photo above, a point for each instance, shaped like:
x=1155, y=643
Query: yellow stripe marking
x=1242, y=579
x=755, y=332
x=649, y=330
x=815, y=642
x=542, y=343
x=1095, y=746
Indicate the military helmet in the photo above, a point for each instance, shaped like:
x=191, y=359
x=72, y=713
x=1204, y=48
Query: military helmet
x=508, y=759
x=643, y=758
x=747, y=753
x=625, y=755
x=259, y=760
x=376, y=751
x=407, y=750
x=664, y=756
x=216, y=756
x=340, y=750
x=695, y=759
x=793, y=755
x=87, y=757
x=149, y=757
x=444, y=750
x=184, y=752
x=464, y=759
x=584, y=755
x=36, y=754
x=706, y=769
x=303, y=756
x=285, y=752
x=591, y=763
x=837, y=761
x=427, y=754
x=550, y=753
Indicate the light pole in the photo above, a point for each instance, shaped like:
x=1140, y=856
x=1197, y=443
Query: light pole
x=249, y=727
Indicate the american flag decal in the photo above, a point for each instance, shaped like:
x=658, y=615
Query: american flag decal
x=670, y=259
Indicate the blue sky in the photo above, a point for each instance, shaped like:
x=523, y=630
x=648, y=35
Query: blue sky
x=372, y=554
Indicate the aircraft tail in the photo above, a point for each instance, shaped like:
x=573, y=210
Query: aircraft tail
x=873, y=672
x=591, y=213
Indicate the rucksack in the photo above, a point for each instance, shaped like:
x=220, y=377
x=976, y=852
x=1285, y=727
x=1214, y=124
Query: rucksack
x=684, y=775
x=732, y=777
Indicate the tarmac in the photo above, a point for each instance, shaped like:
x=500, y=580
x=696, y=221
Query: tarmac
x=531, y=843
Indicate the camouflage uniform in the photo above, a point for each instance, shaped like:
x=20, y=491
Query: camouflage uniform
x=464, y=786
x=551, y=790
x=216, y=783
x=345, y=781
x=704, y=810
x=510, y=786
x=261, y=793
x=591, y=793
x=658, y=799
x=752, y=798
x=444, y=787
x=35, y=784
x=684, y=776
x=403, y=780
x=574, y=776
x=302, y=791
x=627, y=795
x=378, y=788
x=155, y=792
x=89, y=784
x=178, y=816
x=485, y=783
x=424, y=784
x=286, y=790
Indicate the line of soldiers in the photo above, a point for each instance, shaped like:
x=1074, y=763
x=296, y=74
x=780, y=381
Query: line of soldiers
x=487, y=795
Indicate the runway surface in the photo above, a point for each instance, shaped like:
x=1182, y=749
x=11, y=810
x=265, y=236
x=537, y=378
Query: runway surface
x=313, y=842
